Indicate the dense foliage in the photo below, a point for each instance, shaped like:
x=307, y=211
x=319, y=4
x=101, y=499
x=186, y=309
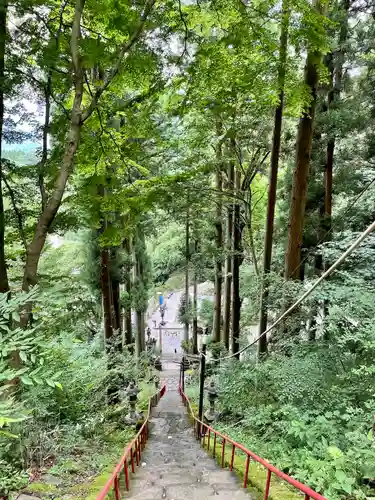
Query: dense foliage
x=157, y=145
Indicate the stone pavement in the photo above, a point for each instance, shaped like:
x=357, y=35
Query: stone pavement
x=174, y=466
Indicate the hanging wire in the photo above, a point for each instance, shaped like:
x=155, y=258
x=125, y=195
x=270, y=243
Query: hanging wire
x=329, y=271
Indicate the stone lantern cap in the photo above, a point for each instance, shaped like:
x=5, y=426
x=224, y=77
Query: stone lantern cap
x=132, y=391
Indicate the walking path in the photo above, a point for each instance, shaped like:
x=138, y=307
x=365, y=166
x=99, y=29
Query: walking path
x=174, y=466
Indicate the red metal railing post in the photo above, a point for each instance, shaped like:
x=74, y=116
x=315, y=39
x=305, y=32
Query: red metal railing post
x=232, y=458
x=132, y=459
x=139, y=449
x=214, y=452
x=142, y=438
x=116, y=488
x=246, y=471
x=307, y=497
x=136, y=452
x=126, y=474
x=208, y=440
x=268, y=482
x=223, y=453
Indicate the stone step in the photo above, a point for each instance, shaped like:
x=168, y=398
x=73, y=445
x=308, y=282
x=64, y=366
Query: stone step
x=181, y=492
x=174, y=466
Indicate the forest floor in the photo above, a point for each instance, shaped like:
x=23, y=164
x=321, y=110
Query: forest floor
x=80, y=473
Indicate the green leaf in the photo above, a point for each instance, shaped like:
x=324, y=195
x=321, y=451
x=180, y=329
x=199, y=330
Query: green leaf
x=340, y=475
x=23, y=356
x=8, y=434
x=26, y=380
x=16, y=316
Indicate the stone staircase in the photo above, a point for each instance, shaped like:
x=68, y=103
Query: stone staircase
x=174, y=466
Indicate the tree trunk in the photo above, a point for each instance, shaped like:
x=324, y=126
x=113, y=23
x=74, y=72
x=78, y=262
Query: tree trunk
x=219, y=244
x=228, y=261
x=43, y=162
x=272, y=185
x=141, y=303
x=4, y=284
x=187, y=259
x=50, y=210
x=195, y=305
x=128, y=289
x=105, y=281
x=334, y=97
x=116, y=306
x=141, y=263
x=301, y=171
x=237, y=260
x=139, y=333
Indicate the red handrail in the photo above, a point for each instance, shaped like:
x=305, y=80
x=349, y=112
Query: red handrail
x=132, y=452
x=199, y=426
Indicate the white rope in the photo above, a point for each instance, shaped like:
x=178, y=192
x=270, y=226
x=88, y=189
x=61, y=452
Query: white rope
x=329, y=271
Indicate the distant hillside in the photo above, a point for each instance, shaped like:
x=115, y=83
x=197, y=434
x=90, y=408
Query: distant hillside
x=21, y=154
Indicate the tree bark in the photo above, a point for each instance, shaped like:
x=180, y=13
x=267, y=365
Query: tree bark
x=301, y=171
x=187, y=259
x=237, y=260
x=116, y=305
x=43, y=162
x=4, y=284
x=195, y=304
x=140, y=307
x=105, y=281
x=128, y=288
x=219, y=243
x=272, y=184
x=139, y=333
x=334, y=97
x=50, y=210
x=228, y=260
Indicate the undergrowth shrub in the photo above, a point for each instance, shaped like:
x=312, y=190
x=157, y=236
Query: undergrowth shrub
x=306, y=415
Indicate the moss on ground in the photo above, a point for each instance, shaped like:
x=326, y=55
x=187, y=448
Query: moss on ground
x=83, y=479
x=41, y=488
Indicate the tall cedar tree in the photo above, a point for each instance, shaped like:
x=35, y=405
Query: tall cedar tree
x=128, y=333
x=301, y=171
x=187, y=260
x=228, y=258
x=237, y=260
x=272, y=185
x=219, y=239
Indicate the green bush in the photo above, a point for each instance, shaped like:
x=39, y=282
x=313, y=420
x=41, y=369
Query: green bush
x=309, y=401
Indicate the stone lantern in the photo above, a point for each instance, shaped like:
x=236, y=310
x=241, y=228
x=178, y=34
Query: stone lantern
x=132, y=393
x=157, y=364
x=210, y=414
x=184, y=365
x=149, y=342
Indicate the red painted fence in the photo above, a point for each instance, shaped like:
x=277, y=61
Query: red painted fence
x=204, y=431
x=132, y=454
